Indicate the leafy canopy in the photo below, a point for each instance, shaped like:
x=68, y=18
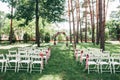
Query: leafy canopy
x=50, y=10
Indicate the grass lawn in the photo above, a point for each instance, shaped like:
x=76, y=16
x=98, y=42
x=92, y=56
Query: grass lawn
x=62, y=66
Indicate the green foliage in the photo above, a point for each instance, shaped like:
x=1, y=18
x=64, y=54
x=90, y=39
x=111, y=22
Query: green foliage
x=62, y=66
x=106, y=35
x=26, y=37
x=13, y=37
x=113, y=27
x=42, y=35
x=50, y=10
x=60, y=38
x=2, y=19
x=47, y=37
x=0, y=38
x=25, y=10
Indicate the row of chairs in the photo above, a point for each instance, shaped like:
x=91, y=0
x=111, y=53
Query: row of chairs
x=24, y=59
x=98, y=60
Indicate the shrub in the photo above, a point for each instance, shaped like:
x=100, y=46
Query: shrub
x=0, y=38
x=13, y=38
x=26, y=37
x=60, y=38
x=47, y=38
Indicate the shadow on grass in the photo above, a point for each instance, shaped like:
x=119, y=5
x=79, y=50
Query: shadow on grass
x=61, y=66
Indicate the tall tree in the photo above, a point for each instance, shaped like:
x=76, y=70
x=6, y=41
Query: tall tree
x=69, y=15
x=86, y=24
x=86, y=12
x=50, y=10
x=73, y=20
x=102, y=23
x=12, y=3
x=11, y=23
x=81, y=37
x=78, y=19
x=91, y=7
x=97, y=22
x=37, y=23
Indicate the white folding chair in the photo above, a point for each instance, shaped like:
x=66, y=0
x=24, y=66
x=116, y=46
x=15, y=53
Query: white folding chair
x=105, y=63
x=115, y=62
x=2, y=62
x=83, y=54
x=12, y=52
x=77, y=54
x=45, y=54
x=22, y=52
x=36, y=63
x=92, y=63
x=24, y=62
x=12, y=62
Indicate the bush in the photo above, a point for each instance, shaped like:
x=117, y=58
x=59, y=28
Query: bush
x=0, y=38
x=26, y=38
x=13, y=38
x=60, y=38
x=47, y=38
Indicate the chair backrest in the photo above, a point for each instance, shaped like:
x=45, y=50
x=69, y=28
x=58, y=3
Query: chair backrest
x=36, y=58
x=2, y=57
x=22, y=52
x=12, y=52
x=24, y=57
x=106, y=52
x=11, y=57
x=115, y=57
x=105, y=57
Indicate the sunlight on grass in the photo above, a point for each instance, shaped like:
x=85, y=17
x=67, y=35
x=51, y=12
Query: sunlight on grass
x=51, y=77
x=15, y=45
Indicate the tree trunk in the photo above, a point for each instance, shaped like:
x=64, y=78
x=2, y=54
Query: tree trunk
x=102, y=23
x=92, y=20
x=69, y=15
x=93, y=24
x=86, y=24
x=97, y=23
x=37, y=25
x=11, y=23
x=81, y=37
x=74, y=35
x=78, y=20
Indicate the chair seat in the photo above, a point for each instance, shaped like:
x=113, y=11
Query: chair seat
x=115, y=63
x=91, y=62
x=2, y=60
x=25, y=61
x=37, y=62
x=13, y=61
x=103, y=63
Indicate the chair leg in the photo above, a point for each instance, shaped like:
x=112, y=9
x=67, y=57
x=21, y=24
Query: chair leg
x=28, y=67
x=101, y=68
x=2, y=66
x=113, y=68
x=5, y=67
x=18, y=67
x=98, y=68
x=15, y=67
x=110, y=69
x=88, y=69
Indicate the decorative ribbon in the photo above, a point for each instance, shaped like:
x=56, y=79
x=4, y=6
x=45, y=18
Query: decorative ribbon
x=76, y=54
x=47, y=54
x=41, y=54
x=81, y=56
x=87, y=57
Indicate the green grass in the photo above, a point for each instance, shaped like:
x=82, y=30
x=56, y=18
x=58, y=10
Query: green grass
x=62, y=66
